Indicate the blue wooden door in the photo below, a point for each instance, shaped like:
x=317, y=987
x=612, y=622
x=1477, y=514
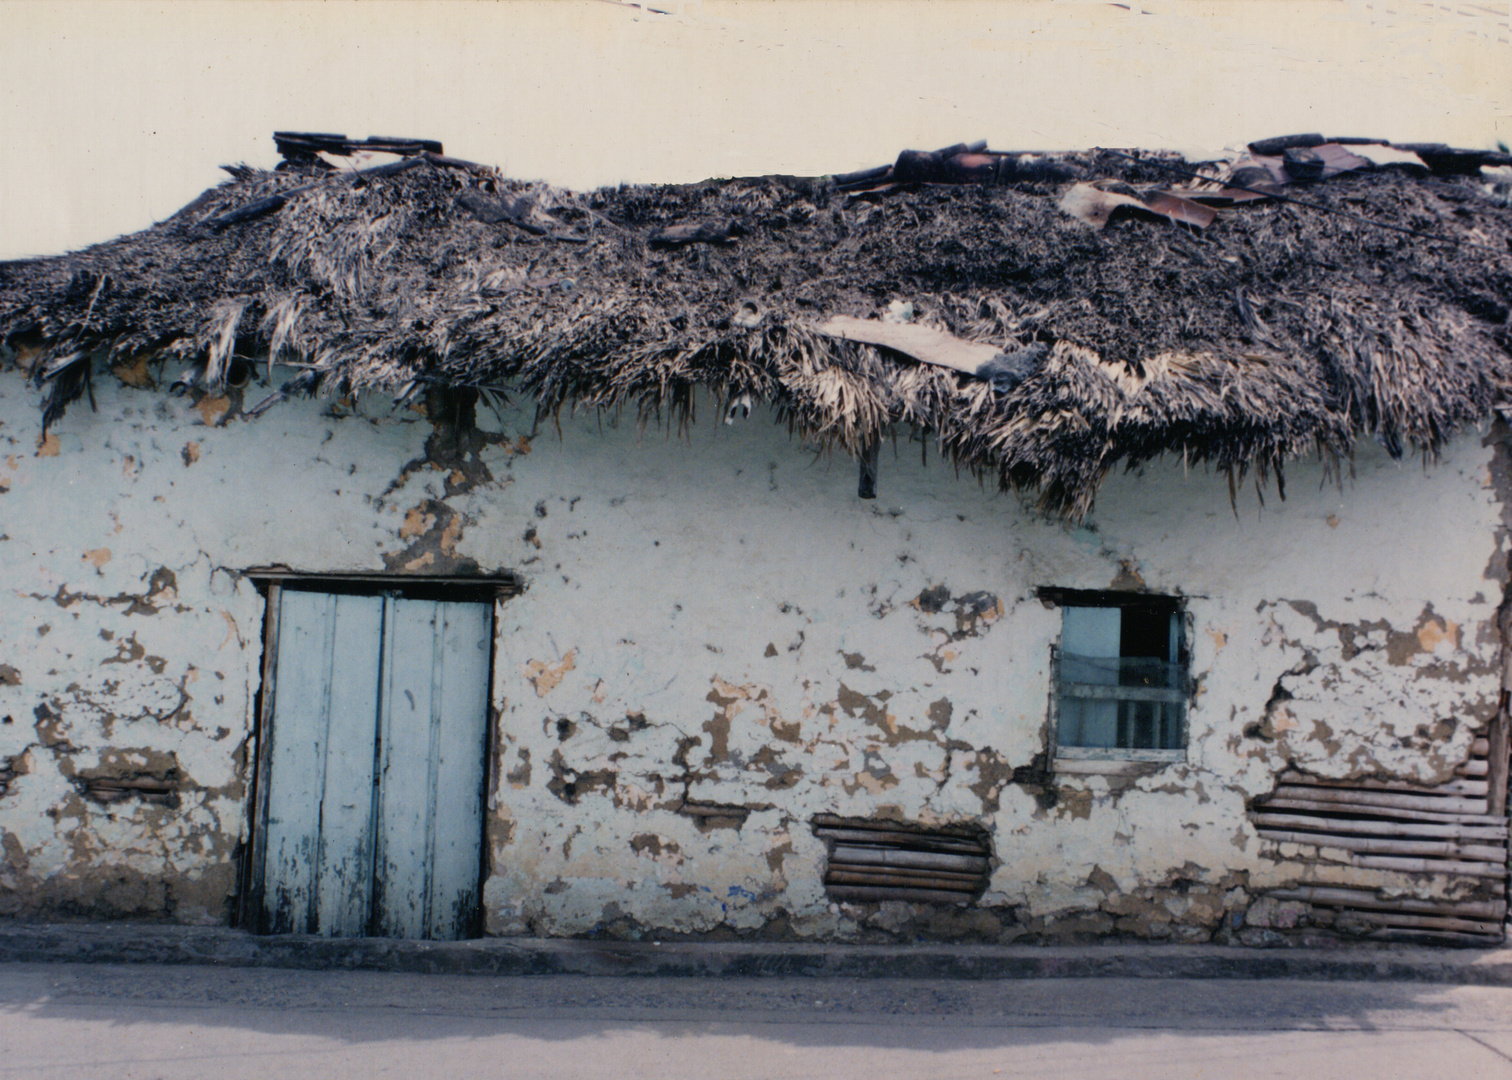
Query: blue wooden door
x=373, y=802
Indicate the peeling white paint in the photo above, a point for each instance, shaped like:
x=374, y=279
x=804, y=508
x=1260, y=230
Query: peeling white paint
x=720, y=620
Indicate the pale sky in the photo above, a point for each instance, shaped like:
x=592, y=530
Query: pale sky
x=114, y=114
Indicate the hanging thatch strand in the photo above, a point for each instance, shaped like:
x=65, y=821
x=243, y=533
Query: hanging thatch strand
x=1277, y=330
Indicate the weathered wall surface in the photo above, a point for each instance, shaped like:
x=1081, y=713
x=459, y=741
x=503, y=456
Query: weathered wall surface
x=718, y=641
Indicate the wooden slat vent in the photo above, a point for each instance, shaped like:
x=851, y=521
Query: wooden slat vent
x=870, y=861
x=1447, y=828
x=148, y=788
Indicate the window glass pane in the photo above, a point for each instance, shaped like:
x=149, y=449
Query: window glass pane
x=1091, y=631
x=1121, y=679
x=1146, y=632
x=1088, y=723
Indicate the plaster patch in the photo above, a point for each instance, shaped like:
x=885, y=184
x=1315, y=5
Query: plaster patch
x=213, y=408
x=134, y=372
x=1435, y=632
x=545, y=677
x=416, y=521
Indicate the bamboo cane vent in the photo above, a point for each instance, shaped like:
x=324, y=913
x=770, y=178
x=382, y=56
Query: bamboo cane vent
x=871, y=861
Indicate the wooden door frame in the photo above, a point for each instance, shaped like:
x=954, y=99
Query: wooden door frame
x=271, y=581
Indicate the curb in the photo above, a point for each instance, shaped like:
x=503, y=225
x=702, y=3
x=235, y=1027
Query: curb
x=125, y=943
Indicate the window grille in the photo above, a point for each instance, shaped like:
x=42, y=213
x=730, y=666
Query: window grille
x=1120, y=678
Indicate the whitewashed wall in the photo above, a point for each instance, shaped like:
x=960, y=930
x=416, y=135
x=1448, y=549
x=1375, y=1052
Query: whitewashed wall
x=718, y=619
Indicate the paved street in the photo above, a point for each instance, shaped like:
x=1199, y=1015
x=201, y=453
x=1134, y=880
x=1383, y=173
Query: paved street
x=104, y=1022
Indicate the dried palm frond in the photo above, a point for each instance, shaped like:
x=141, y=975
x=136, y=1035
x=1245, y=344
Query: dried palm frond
x=1281, y=330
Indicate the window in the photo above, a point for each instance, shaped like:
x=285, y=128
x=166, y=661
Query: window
x=1120, y=678
x=371, y=771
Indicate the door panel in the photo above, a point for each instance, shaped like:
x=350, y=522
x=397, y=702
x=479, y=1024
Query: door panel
x=318, y=829
x=430, y=803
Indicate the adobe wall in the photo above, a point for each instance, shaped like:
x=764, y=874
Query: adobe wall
x=718, y=621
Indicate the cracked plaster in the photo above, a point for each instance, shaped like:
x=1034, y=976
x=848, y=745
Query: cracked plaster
x=718, y=641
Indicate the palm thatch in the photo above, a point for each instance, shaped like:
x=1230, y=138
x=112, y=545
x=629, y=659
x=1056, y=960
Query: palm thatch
x=1372, y=304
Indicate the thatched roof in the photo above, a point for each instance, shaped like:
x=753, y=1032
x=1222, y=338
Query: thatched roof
x=1373, y=303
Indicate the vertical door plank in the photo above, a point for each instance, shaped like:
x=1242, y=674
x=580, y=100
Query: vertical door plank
x=344, y=878
x=404, y=792
x=461, y=727
x=250, y=911
x=295, y=759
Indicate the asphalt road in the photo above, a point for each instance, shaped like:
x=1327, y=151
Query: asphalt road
x=103, y=1022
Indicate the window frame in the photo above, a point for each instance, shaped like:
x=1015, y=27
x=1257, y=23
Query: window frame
x=1113, y=759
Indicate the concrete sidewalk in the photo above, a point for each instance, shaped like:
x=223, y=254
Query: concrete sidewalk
x=136, y=943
